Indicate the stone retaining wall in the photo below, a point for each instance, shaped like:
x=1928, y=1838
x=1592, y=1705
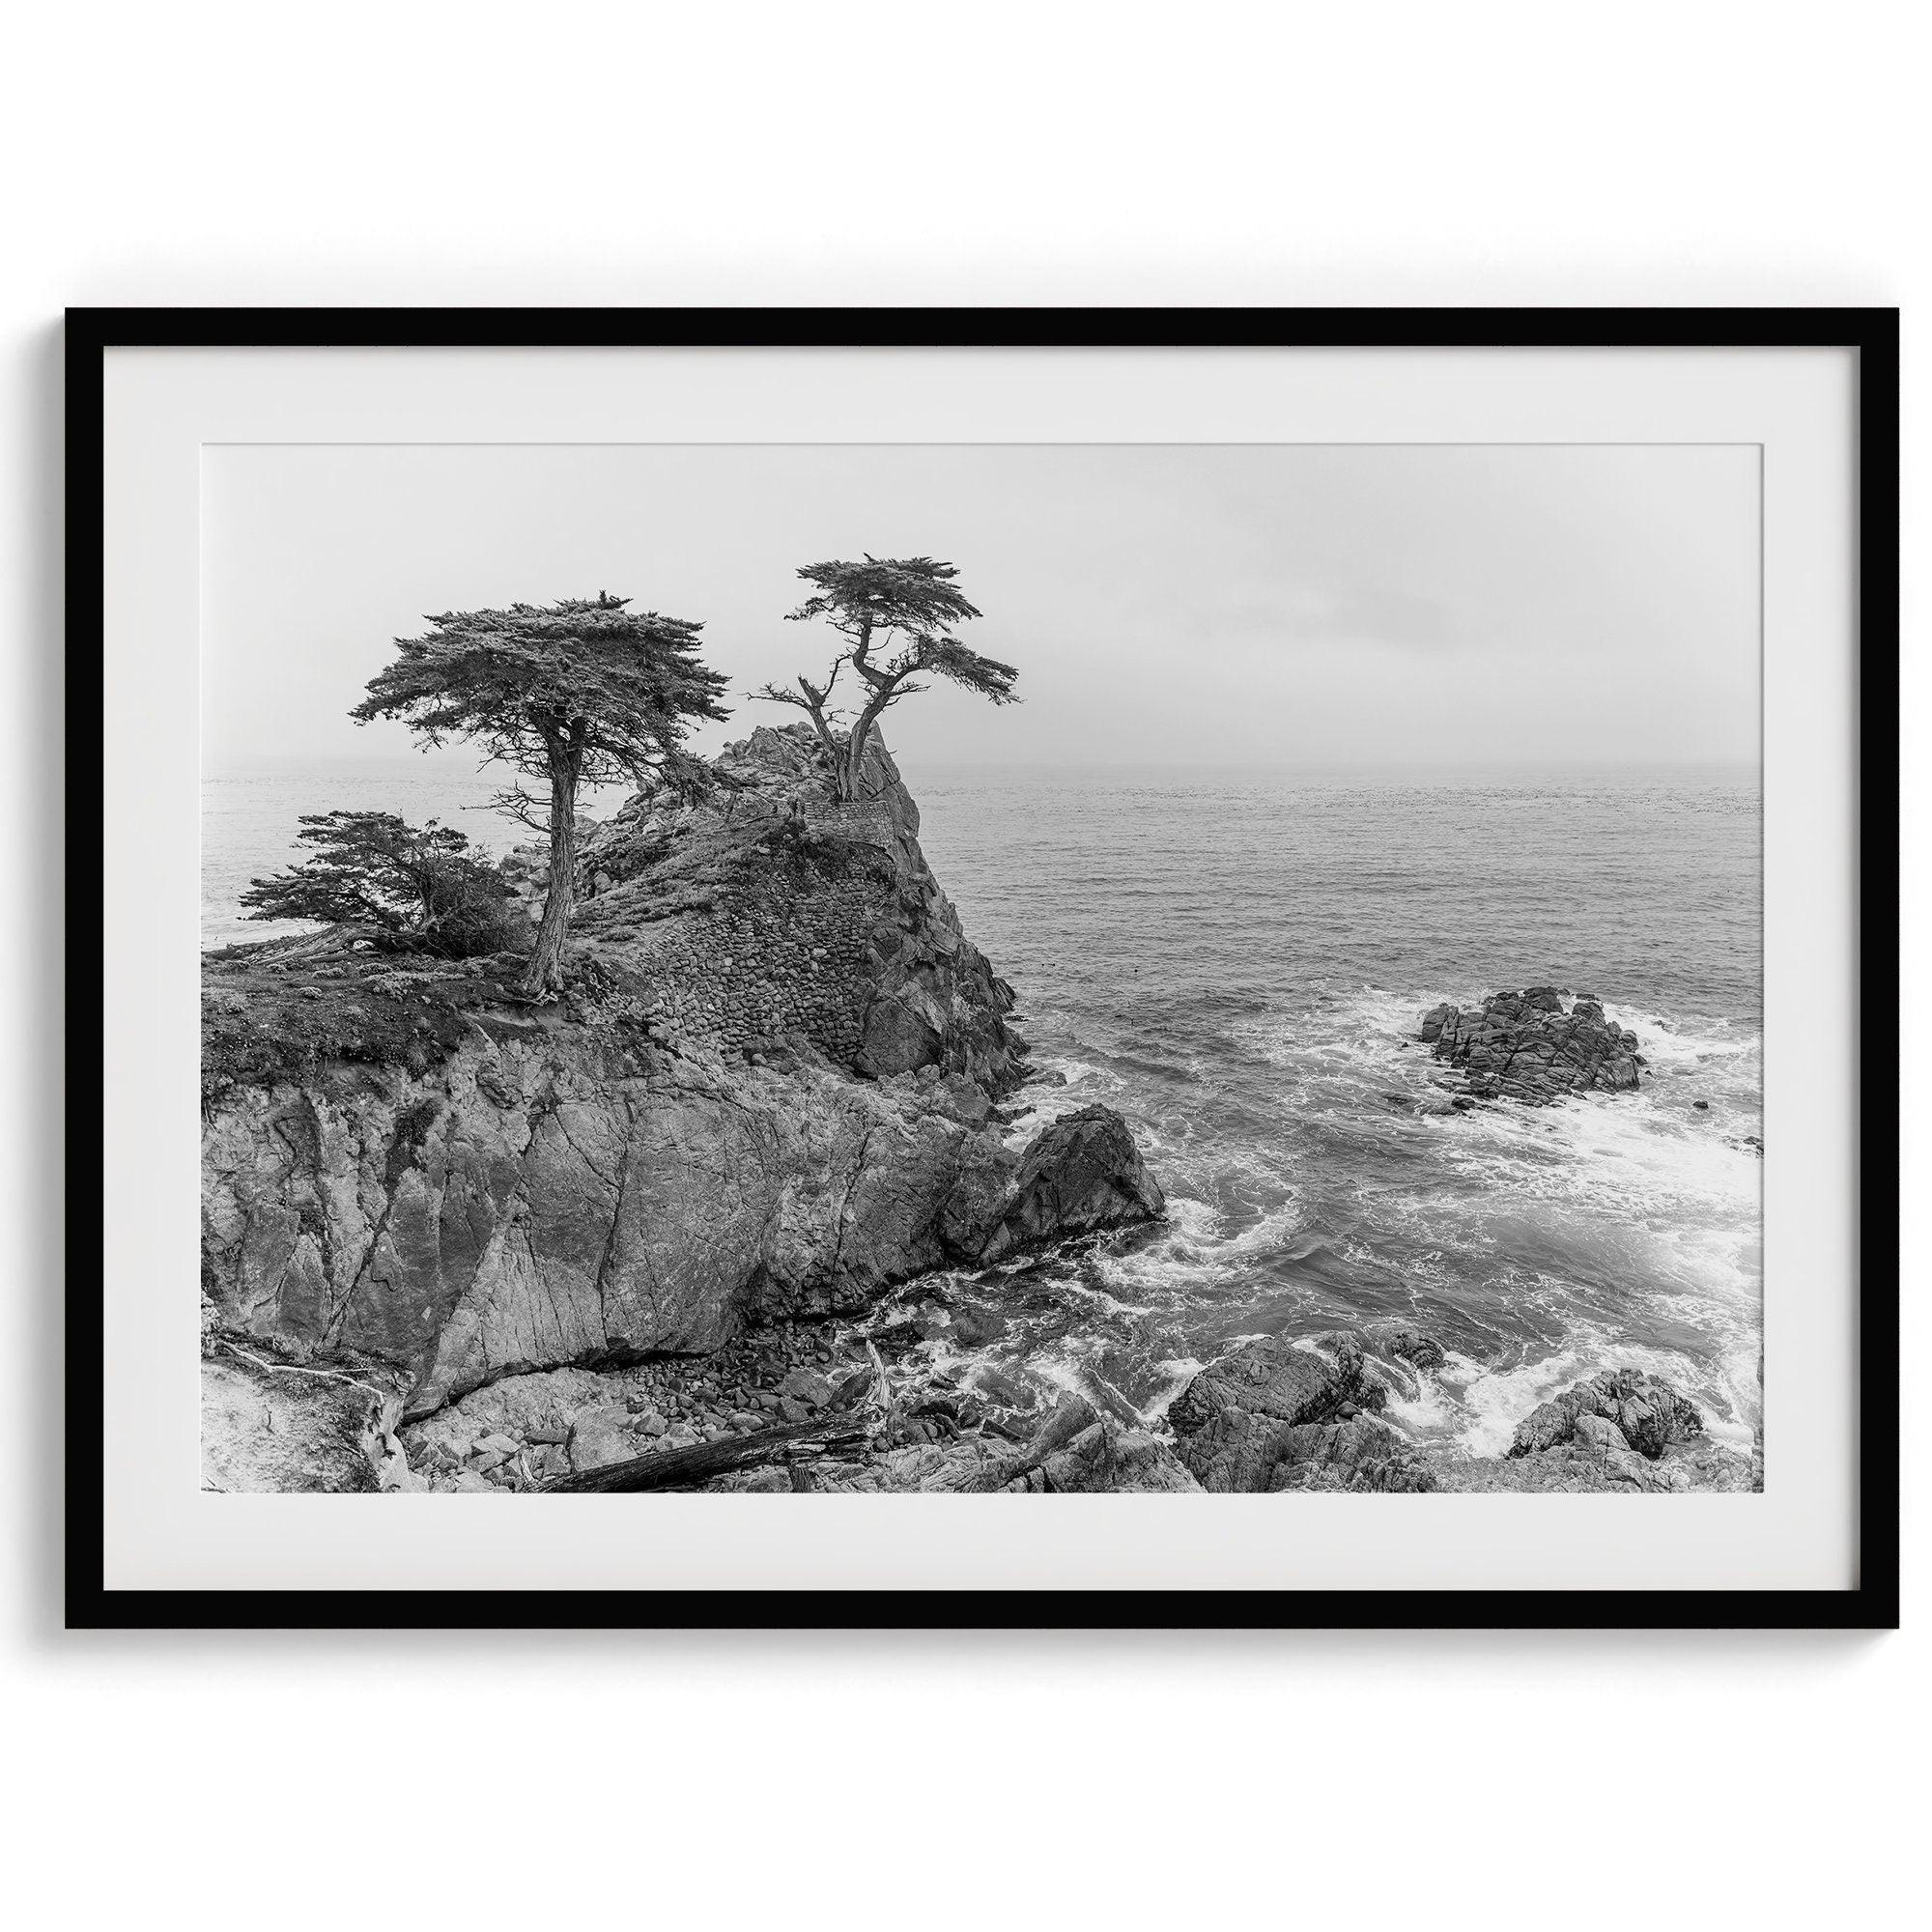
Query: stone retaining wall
x=785, y=951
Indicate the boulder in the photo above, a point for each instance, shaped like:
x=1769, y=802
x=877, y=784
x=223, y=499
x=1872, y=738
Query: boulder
x=1359, y=1453
x=1645, y=1414
x=1527, y=1046
x=1235, y=1424
x=899, y=1038
x=1080, y=1173
x=536, y=1410
x=807, y=1386
x=1405, y=1343
x=1106, y=1457
x=601, y=1435
x=1622, y=1431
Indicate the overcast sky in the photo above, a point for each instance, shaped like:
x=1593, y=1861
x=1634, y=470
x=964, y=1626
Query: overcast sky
x=1294, y=607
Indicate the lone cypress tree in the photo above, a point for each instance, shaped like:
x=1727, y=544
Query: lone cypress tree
x=580, y=692
x=893, y=614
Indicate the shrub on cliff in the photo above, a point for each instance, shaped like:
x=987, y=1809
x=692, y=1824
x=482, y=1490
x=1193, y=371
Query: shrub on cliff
x=580, y=692
x=403, y=888
x=894, y=616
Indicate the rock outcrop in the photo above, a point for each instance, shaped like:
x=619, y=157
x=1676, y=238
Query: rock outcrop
x=1529, y=1046
x=1076, y=1450
x=1649, y=1415
x=768, y=1096
x=1621, y=1430
x=1080, y=1174
x=270, y=1425
x=1279, y=1415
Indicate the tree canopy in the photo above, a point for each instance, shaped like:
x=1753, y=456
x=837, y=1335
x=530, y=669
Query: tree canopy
x=895, y=616
x=399, y=887
x=583, y=691
x=587, y=677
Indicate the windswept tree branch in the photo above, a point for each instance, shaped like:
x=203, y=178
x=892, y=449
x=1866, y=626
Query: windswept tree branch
x=523, y=806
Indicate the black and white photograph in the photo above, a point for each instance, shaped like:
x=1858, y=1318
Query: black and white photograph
x=949, y=968
x=964, y=965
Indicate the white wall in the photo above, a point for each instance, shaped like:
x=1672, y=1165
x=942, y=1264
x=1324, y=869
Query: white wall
x=993, y=153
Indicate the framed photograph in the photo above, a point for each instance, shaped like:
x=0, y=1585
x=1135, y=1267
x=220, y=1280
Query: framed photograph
x=983, y=967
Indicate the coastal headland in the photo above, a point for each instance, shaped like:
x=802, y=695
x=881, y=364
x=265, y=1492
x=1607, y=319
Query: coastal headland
x=639, y=1235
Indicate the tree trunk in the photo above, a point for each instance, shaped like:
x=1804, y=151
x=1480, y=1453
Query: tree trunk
x=544, y=974
x=816, y=710
x=855, y=750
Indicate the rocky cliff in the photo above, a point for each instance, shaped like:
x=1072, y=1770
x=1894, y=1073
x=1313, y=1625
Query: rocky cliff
x=455, y=1241
x=772, y=1089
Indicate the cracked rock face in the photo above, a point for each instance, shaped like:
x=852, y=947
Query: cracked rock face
x=265, y=1426
x=1081, y=1173
x=575, y=1213
x=1644, y=1414
x=702, y=1141
x=1279, y=1415
x=1529, y=1046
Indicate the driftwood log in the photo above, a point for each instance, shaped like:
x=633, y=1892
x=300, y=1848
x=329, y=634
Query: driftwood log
x=685, y=1469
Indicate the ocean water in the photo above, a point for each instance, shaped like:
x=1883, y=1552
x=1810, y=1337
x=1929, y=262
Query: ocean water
x=250, y=825
x=1237, y=963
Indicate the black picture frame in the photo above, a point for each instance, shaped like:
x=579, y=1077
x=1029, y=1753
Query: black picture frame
x=1872, y=332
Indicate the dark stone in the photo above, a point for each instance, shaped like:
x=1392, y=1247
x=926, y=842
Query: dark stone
x=1080, y=1173
x=1620, y=1431
x=896, y=1039
x=807, y=1386
x=1352, y=1454
x=1233, y=1422
x=1526, y=1046
x=1106, y=1458
x=1650, y=1414
x=1405, y=1343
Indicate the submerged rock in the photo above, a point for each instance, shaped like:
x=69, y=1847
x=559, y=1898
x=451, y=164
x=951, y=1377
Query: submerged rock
x=1527, y=1046
x=1406, y=1343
